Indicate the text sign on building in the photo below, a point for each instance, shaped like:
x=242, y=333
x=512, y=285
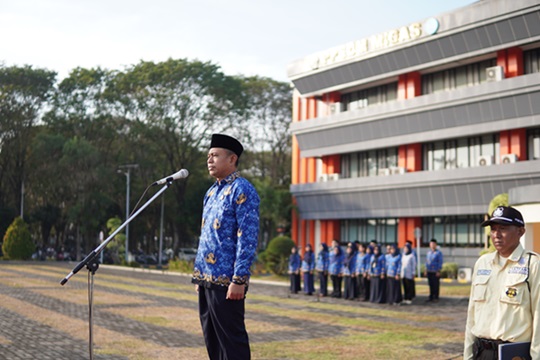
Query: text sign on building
x=386, y=40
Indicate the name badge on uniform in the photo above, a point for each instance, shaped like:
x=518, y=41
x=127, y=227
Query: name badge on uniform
x=483, y=272
x=518, y=270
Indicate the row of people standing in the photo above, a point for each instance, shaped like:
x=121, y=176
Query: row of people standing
x=361, y=272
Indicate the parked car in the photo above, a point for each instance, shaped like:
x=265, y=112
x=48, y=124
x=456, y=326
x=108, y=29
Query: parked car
x=187, y=254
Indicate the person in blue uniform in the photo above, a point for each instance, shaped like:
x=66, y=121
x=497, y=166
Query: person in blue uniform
x=434, y=262
x=359, y=272
x=377, y=276
x=334, y=269
x=393, y=277
x=308, y=266
x=349, y=276
x=294, y=270
x=321, y=266
x=366, y=265
x=227, y=249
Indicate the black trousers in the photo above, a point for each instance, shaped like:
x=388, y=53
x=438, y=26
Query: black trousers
x=223, y=325
x=295, y=283
x=323, y=281
x=486, y=350
x=409, y=291
x=336, y=285
x=434, y=285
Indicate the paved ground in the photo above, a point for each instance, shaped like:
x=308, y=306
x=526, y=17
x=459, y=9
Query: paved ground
x=31, y=297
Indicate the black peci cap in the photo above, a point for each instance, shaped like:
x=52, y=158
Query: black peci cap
x=226, y=142
x=505, y=215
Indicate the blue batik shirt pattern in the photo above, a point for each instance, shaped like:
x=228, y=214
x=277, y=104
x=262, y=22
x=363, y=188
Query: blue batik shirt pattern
x=294, y=262
x=434, y=261
x=366, y=263
x=360, y=263
x=393, y=265
x=322, y=261
x=308, y=262
x=349, y=266
x=336, y=262
x=378, y=265
x=229, y=233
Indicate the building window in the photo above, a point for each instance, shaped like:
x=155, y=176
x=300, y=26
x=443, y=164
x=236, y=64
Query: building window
x=365, y=230
x=467, y=75
x=367, y=97
x=531, y=61
x=368, y=163
x=533, y=141
x=461, y=153
x=454, y=231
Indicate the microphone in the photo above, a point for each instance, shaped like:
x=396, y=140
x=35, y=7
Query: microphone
x=178, y=175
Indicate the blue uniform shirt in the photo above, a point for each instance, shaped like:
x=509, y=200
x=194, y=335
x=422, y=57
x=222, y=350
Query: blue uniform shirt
x=336, y=262
x=294, y=262
x=229, y=233
x=308, y=262
x=322, y=261
x=434, y=261
x=393, y=265
x=378, y=265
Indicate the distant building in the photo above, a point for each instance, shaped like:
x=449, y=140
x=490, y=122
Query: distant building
x=413, y=131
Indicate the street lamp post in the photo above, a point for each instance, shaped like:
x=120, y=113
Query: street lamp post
x=127, y=171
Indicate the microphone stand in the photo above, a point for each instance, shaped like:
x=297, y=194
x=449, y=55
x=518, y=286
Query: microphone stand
x=92, y=263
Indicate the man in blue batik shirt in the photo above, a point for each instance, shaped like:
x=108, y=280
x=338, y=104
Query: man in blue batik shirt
x=227, y=248
x=434, y=262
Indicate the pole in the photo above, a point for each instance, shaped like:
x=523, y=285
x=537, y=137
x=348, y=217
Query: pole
x=128, y=181
x=22, y=199
x=418, y=236
x=128, y=168
x=161, y=232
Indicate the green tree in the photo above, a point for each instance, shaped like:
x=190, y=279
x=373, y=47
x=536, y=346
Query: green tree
x=116, y=246
x=173, y=107
x=24, y=92
x=79, y=145
x=18, y=243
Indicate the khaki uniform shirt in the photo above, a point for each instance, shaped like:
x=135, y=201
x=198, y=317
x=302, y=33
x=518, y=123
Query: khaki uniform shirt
x=500, y=305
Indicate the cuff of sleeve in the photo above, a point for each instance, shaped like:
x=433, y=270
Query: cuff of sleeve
x=240, y=280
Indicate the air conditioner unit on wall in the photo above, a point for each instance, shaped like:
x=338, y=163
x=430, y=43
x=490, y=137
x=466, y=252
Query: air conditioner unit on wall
x=395, y=170
x=464, y=274
x=509, y=159
x=333, y=177
x=384, y=171
x=335, y=108
x=485, y=160
x=323, y=177
x=495, y=73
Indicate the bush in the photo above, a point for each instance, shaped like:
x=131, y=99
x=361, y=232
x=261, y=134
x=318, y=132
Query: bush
x=18, y=244
x=449, y=270
x=275, y=257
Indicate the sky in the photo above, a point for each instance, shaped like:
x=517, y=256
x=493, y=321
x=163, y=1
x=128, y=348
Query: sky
x=243, y=37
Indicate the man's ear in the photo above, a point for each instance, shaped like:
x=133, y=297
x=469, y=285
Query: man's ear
x=233, y=159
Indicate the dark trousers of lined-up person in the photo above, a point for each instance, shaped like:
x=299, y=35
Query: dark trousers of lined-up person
x=434, y=285
x=223, y=325
x=336, y=285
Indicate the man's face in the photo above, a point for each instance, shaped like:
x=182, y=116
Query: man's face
x=220, y=162
x=433, y=245
x=505, y=238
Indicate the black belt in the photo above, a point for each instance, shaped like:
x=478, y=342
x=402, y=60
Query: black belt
x=488, y=344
